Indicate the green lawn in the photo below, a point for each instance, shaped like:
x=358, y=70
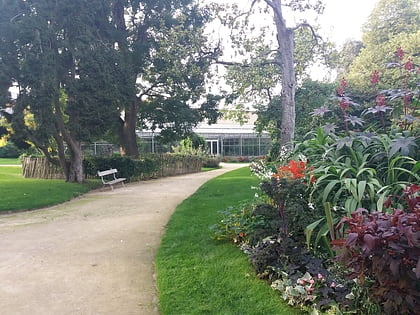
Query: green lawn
x=197, y=275
x=18, y=193
x=4, y=161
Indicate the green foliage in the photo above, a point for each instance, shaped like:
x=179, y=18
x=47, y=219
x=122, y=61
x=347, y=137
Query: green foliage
x=238, y=223
x=192, y=145
x=309, y=96
x=300, y=293
x=127, y=167
x=10, y=151
x=290, y=198
x=351, y=171
x=361, y=296
x=79, y=65
x=392, y=24
x=303, y=280
x=390, y=18
x=212, y=162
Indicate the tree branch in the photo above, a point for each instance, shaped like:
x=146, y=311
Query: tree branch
x=231, y=63
x=307, y=25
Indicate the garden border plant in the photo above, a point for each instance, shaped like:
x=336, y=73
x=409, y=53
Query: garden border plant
x=356, y=167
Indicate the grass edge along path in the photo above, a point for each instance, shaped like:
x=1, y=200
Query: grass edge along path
x=198, y=275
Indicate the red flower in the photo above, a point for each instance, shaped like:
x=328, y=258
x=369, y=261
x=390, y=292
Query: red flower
x=344, y=105
x=342, y=86
x=400, y=53
x=375, y=77
x=409, y=65
x=292, y=171
x=380, y=100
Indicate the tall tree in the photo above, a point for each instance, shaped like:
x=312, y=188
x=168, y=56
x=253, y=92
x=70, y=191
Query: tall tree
x=58, y=55
x=87, y=67
x=166, y=58
x=283, y=56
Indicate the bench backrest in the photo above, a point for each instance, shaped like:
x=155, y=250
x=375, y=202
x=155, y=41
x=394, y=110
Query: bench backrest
x=107, y=172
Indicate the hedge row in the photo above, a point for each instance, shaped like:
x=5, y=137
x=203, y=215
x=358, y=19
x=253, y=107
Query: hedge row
x=153, y=165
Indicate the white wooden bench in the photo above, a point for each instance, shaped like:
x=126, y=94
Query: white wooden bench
x=108, y=178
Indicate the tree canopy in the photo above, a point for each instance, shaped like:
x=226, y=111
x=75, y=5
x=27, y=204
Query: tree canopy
x=393, y=24
x=84, y=68
x=272, y=57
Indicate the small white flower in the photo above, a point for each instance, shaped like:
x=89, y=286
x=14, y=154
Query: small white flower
x=303, y=158
x=311, y=206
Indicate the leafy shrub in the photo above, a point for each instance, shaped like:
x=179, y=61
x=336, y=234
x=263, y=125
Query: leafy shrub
x=10, y=151
x=292, y=206
x=237, y=223
x=127, y=167
x=284, y=263
x=386, y=247
x=212, y=162
x=270, y=223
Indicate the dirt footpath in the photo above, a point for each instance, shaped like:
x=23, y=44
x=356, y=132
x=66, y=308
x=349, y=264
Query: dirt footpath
x=93, y=255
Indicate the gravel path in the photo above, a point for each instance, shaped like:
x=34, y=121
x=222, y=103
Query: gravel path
x=92, y=255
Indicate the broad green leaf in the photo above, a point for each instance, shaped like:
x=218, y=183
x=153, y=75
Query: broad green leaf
x=323, y=232
x=309, y=231
x=350, y=205
x=328, y=189
x=361, y=190
x=328, y=216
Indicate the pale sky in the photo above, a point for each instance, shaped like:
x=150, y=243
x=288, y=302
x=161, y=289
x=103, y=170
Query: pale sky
x=342, y=19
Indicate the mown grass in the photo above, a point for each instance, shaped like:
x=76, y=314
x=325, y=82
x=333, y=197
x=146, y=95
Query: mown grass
x=206, y=169
x=6, y=161
x=18, y=193
x=198, y=275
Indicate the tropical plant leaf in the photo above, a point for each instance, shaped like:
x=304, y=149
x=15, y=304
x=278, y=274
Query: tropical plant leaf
x=361, y=187
x=309, y=230
x=328, y=189
x=403, y=145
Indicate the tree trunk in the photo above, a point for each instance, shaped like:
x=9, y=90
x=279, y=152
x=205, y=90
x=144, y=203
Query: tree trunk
x=61, y=154
x=285, y=39
x=75, y=169
x=128, y=135
x=76, y=163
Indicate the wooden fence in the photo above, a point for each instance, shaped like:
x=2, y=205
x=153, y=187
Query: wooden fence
x=170, y=165
x=40, y=168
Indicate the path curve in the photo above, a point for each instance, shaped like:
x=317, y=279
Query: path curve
x=92, y=255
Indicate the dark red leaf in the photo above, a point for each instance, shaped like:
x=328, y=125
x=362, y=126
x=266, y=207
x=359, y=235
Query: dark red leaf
x=370, y=241
x=395, y=267
x=352, y=239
